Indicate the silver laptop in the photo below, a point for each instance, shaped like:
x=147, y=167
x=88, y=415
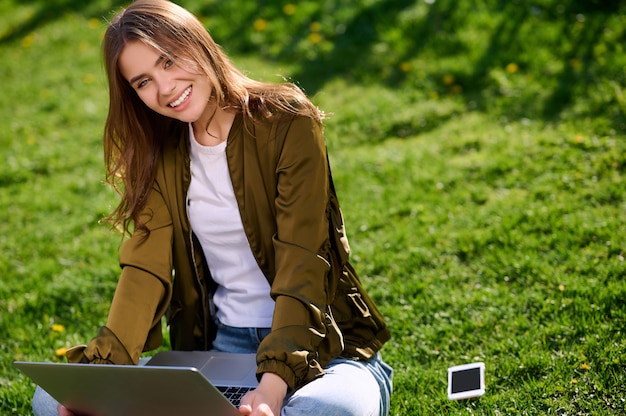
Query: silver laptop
x=171, y=383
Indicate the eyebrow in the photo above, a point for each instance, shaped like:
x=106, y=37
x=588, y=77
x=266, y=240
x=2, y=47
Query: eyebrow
x=138, y=77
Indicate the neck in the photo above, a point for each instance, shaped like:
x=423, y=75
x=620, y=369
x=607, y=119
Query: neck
x=214, y=129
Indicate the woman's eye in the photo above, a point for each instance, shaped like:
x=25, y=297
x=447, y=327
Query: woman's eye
x=142, y=83
x=168, y=63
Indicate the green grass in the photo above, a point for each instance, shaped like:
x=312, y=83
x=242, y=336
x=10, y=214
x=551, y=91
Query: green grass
x=478, y=149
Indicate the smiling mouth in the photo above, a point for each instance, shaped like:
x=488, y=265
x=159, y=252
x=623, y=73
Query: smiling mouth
x=181, y=99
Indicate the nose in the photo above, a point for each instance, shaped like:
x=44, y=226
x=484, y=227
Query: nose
x=166, y=84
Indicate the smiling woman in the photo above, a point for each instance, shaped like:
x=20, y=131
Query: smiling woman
x=183, y=44
x=225, y=184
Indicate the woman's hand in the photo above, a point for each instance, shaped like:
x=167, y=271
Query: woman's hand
x=266, y=399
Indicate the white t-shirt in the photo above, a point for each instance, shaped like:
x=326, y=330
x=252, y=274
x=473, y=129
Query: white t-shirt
x=242, y=297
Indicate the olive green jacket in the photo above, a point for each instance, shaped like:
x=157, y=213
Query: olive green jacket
x=292, y=220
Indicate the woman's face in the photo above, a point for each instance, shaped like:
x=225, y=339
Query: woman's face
x=165, y=86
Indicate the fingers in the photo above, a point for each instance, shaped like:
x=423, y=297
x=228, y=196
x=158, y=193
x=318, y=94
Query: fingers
x=63, y=411
x=245, y=409
x=254, y=404
x=262, y=410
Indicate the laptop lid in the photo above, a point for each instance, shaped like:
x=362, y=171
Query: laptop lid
x=167, y=386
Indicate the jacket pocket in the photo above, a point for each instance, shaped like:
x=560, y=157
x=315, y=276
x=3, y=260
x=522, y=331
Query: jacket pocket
x=361, y=323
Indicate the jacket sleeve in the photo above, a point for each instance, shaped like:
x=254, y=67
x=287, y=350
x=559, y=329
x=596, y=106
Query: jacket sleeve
x=299, y=285
x=142, y=294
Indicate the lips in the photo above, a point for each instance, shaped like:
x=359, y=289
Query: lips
x=180, y=99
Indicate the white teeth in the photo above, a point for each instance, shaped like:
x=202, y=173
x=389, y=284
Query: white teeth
x=181, y=99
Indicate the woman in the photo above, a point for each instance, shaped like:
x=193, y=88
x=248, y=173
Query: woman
x=235, y=231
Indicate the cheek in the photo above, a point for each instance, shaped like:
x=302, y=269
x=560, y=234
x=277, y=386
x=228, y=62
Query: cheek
x=148, y=98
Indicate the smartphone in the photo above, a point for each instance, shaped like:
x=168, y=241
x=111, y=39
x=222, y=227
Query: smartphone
x=466, y=381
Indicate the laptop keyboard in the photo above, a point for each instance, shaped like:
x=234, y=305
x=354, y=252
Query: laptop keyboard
x=234, y=394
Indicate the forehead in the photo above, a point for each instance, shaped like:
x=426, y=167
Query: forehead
x=137, y=58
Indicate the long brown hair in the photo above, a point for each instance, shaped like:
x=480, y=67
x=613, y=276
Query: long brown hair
x=134, y=134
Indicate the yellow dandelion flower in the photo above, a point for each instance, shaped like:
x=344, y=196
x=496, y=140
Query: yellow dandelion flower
x=58, y=328
x=88, y=79
x=94, y=23
x=579, y=139
x=260, y=25
x=28, y=40
x=289, y=9
x=456, y=89
x=585, y=366
x=448, y=79
x=405, y=67
x=512, y=68
x=60, y=352
x=433, y=95
x=83, y=46
x=315, y=38
x=574, y=381
x=315, y=26
x=31, y=139
x=561, y=287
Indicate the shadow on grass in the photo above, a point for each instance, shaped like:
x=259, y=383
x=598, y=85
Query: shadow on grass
x=573, y=67
x=581, y=25
x=584, y=42
x=46, y=11
x=576, y=55
x=353, y=54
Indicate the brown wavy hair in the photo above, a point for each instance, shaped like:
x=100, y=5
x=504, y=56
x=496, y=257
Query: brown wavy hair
x=134, y=134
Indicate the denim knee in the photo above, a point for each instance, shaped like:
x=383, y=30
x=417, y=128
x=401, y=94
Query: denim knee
x=349, y=387
x=44, y=404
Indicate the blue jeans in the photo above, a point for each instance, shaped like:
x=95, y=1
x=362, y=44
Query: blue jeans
x=349, y=387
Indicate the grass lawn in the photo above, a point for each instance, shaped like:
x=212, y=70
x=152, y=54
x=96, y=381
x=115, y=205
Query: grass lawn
x=478, y=149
